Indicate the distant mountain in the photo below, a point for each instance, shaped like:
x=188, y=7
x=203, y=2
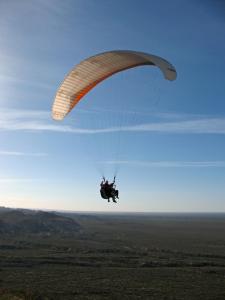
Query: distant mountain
x=4, y=209
x=36, y=222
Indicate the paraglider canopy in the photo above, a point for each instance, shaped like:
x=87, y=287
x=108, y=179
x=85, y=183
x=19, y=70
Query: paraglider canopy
x=91, y=71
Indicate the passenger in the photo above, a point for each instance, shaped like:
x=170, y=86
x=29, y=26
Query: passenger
x=108, y=190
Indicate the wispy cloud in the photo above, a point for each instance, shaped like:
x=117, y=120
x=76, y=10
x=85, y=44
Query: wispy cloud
x=196, y=126
x=16, y=153
x=36, y=121
x=169, y=164
x=13, y=80
x=16, y=179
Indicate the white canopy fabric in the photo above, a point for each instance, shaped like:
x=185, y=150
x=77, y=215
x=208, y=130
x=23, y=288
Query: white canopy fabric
x=87, y=74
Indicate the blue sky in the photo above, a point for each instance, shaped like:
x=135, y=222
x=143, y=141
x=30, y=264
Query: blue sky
x=170, y=153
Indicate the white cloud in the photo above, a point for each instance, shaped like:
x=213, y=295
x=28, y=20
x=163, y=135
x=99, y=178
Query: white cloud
x=196, y=126
x=9, y=80
x=16, y=179
x=169, y=164
x=16, y=153
x=34, y=120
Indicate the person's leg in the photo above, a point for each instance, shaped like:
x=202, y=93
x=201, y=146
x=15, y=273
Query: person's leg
x=114, y=199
